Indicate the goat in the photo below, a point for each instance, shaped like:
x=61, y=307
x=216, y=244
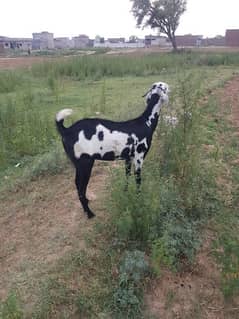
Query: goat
x=93, y=139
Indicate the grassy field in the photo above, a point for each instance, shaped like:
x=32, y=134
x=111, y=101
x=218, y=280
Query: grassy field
x=169, y=252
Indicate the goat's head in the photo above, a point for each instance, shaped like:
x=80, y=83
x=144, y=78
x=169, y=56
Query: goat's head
x=159, y=88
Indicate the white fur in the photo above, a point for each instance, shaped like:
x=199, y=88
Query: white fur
x=155, y=110
x=113, y=141
x=63, y=114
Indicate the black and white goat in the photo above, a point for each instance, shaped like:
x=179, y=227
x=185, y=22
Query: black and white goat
x=99, y=139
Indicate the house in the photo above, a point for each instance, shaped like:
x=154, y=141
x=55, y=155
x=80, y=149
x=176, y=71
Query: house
x=81, y=41
x=15, y=43
x=62, y=43
x=42, y=41
x=116, y=40
x=188, y=40
x=216, y=41
x=156, y=40
x=232, y=37
x=118, y=43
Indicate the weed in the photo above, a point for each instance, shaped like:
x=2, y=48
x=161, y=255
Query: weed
x=11, y=308
x=127, y=298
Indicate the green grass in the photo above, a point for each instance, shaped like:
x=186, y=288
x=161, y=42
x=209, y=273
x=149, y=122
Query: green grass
x=179, y=194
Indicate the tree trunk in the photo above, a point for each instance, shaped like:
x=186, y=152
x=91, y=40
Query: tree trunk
x=174, y=43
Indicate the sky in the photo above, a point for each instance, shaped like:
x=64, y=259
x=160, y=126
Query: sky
x=108, y=18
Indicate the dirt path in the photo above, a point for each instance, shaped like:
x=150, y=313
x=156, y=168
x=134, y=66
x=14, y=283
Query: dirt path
x=42, y=223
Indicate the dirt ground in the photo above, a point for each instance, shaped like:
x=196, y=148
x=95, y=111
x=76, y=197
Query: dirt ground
x=41, y=223
x=20, y=62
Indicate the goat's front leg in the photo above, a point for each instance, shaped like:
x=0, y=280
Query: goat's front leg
x=83, y=172
x=137, y=174
x=138, y=163
x=128, y=165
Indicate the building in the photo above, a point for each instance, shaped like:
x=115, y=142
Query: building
x=63, y=43
x=189, y=40
x=82, y=41
x=42, y=41
x=232, y=38
x=216, y=41
x=116, y=40
x=15, y=43
x=118, y=43
x=156, y=40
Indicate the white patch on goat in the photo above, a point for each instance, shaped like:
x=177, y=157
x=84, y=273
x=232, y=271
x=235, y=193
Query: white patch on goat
x=114, y=141
x=63, y=114
x=155, y=111
x=139, y=156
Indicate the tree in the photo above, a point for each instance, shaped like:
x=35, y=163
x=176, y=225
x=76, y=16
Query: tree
x=161, y=14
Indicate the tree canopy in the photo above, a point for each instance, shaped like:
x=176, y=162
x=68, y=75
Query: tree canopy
x=161, y=14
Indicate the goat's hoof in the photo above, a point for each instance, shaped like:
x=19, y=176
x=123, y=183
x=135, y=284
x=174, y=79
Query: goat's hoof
x=90, y=215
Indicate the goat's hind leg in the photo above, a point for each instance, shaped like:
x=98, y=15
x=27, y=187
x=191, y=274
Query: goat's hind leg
x=83, y=172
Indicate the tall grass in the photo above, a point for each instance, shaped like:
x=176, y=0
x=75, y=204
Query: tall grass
x=9, y=81
x=97, y=66
x=25, y=130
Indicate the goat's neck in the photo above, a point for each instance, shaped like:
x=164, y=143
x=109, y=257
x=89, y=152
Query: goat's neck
x=151, y=114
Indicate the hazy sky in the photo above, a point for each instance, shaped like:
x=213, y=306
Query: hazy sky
x=108, y=18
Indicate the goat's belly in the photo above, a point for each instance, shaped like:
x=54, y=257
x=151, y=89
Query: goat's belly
x=107, y=150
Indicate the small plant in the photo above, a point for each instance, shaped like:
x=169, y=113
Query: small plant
x=127, y=298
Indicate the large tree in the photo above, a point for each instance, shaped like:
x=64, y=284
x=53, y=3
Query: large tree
x=161, y=14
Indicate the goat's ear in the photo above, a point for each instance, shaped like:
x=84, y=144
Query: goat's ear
x=146, y=93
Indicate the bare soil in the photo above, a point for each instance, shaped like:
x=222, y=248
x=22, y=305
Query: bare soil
x=42, y=223
x=20, y=62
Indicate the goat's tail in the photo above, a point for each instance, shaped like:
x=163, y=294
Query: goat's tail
x=60, y=116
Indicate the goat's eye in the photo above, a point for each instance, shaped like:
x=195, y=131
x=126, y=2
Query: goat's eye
x=154, y=86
